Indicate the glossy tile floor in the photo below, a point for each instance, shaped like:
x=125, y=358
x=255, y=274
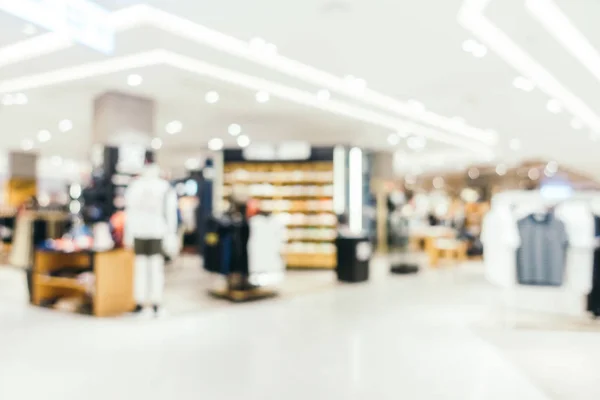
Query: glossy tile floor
x=437, y=335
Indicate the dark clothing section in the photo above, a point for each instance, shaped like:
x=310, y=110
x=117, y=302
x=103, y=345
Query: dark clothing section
x=226, y=246
x=593, y=303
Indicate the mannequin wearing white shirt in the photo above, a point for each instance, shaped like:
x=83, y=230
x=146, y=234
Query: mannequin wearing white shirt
x=151, y=229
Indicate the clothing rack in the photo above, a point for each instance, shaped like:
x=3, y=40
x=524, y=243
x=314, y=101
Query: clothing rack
x=225, y=252
x=579, y=212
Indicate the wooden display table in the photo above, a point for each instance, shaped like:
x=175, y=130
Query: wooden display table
x=447, y=250
x=113, y=289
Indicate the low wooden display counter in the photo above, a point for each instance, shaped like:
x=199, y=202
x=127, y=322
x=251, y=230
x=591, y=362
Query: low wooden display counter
x=112, y=293
x=450, y=250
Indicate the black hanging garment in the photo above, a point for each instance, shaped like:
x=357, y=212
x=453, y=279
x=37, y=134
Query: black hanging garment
x=593, y=305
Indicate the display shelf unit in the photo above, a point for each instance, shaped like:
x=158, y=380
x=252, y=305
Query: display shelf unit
x=112, y=293
x=301, y=192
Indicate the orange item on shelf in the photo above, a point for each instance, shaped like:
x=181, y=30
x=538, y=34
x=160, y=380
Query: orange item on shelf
x=252, y=208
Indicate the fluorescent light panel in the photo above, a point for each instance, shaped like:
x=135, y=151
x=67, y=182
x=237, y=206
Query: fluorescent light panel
x=567, y=34
x=471, y=18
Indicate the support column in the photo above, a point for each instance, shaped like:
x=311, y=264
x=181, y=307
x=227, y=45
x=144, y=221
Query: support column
x=21, y=184
x=122, y=134
x=118, y=115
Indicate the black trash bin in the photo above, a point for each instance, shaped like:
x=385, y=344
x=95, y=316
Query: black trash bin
x=353, y=258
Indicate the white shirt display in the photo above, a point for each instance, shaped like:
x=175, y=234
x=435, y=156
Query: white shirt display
x=501, y=240
x=265, y=245
x=151, y=206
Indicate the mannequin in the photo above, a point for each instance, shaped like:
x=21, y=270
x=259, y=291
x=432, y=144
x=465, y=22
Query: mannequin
x=150, y=229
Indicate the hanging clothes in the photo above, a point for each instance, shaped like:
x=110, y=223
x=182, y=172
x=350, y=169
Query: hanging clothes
x=541, y=258
x=593, y=300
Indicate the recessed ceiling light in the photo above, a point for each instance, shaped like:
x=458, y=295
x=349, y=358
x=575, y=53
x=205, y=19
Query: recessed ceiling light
x=29, y=29
x=27, y=144
x=134, y=80
x=416, y=142
x=174, y=127
x=243, y=141
x=576, y=124
x=211, y=97
x=65, y=125
x=215, y=144
x=501, y=169
x=156, y=143
x=393, y=139
x=554, y=106
x=524, y=84
x=323, y=95
x=20, y=99
x=533, y=174
x=262, y=96
x=473, y=173
x=514, y=144
x=44, y=136
x=234, y=129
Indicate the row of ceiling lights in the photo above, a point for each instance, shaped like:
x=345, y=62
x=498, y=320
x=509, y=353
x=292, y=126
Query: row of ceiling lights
x=501, y=169
x=212, y=97
x=44, y=135
x=554, y=106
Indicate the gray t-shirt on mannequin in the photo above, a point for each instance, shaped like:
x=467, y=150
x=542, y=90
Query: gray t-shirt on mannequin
x=541, y=258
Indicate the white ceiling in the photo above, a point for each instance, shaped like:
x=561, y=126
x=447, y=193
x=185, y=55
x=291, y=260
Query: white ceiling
x=404, y=50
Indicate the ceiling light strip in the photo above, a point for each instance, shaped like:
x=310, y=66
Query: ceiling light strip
x=143, y=14
x=471, y=18
x=310, y=99
x=83, y=71
x=189, y=64
x=567, y=34
x=187, y=29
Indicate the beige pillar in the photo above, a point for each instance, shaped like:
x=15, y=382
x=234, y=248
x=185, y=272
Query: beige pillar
x=22, y=183
x=117, y=115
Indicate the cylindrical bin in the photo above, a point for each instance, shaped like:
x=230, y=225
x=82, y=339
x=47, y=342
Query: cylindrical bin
x=353, y=258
